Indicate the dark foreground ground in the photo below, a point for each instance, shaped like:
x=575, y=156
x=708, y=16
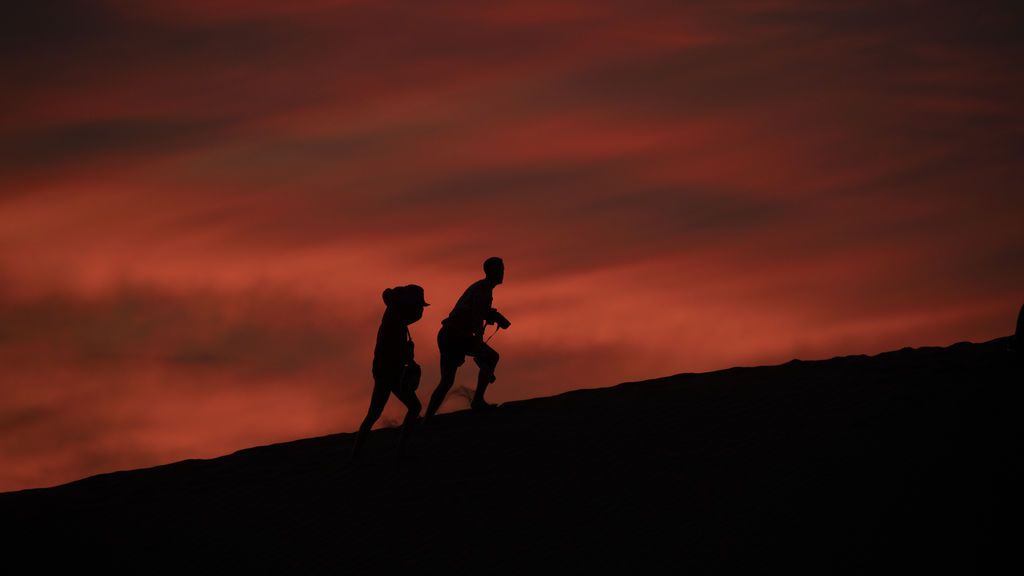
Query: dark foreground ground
x=890, y=463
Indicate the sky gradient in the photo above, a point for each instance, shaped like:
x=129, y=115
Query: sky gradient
x=200, y=203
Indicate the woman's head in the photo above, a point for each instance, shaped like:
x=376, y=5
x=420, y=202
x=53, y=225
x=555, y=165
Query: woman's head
x=408, y=301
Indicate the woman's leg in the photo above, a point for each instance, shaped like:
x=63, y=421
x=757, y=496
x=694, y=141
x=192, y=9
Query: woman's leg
x=378, y=400
x=412, y=403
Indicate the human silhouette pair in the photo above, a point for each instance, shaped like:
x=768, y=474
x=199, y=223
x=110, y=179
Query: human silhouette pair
x=395, y=370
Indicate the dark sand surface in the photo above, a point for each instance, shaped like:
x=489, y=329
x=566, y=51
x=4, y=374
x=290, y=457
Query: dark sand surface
x=889, y=463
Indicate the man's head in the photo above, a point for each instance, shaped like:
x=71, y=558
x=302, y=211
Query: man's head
x=494, y=268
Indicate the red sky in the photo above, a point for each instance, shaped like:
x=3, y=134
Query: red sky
x=201, y=203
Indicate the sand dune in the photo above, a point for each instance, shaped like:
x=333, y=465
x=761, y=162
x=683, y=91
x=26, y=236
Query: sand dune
x=854, y=464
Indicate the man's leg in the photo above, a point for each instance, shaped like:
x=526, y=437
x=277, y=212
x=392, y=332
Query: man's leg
x=448, y=370
x=487, y=359
x=452, y=356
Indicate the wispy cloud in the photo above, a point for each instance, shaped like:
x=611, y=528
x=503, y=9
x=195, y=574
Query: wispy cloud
x=201, y=202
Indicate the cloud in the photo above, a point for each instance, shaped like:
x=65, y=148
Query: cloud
x=142, y=376
x=200, y=203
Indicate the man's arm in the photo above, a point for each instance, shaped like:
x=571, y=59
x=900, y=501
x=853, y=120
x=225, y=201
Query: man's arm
x=495, y=317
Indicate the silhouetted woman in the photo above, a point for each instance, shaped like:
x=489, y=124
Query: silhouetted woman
x=394, y=369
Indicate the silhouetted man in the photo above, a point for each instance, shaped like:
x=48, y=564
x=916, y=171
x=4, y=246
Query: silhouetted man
x=462, y=334
x=394, y=369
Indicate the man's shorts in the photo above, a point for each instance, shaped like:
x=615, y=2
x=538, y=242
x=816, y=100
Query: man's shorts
x=455, y=347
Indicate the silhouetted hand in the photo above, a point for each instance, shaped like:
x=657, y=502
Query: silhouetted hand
x=503, y=322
